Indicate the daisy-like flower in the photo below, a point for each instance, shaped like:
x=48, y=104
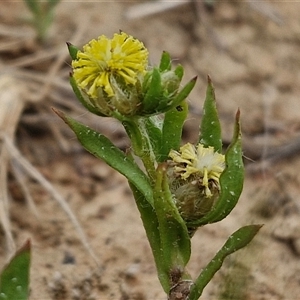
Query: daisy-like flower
x=193, y=175
x=203, y=164
x=110, y=69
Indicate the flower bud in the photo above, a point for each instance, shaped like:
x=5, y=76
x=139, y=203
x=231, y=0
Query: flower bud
x=194, y=174
x=161, y=88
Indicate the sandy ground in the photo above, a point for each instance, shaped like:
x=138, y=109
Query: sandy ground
x=251, y=51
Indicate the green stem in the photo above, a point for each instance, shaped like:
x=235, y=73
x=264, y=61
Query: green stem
x=137, y=132
x=147, y=155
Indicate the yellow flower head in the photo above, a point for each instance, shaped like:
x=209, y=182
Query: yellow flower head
x=104, y=61
x=203, y=164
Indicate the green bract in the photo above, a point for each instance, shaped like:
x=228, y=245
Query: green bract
x=161, y=88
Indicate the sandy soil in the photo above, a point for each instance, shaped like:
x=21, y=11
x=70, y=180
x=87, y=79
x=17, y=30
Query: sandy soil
x=251, y=51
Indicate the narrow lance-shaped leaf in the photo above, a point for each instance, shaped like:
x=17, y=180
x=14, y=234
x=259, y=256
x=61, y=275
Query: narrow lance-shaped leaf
x=231, y=180
x=72, y=51
x=165, y=62
x=179, y=71
x=14, y=279
x=150, y=223
x=172, y=129
x=210, y=129
x=236, y=241
x=175, y=240
x=183, y=94
x=153, y=94
x=101, y=147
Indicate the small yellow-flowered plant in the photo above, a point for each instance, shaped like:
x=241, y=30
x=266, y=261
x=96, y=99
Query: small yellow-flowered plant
x=104, y=61
x=201, y=162
x=176, y=192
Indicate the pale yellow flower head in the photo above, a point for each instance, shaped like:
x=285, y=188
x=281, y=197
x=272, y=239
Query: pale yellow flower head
x=103, y=62
x=200, y=163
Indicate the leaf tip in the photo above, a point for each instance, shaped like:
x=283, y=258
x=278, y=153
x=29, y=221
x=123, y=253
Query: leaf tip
x=208, y=79
x=25, y=248
x=259, y=226
x=238, y=114
x=59, y=113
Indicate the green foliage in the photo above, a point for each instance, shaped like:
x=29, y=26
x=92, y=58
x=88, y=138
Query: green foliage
x=100, y=146
x=165, y=62
x=14, y=278
x=154, y=131
x=236, y=241
x=210, y=129
x=161, y=88
x=72, y=51
x=42, y=16
x=153, y=93
x=172, y=129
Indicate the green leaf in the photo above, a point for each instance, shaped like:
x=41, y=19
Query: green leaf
x=84, y=101
x=151, y=226
x=210, y=129
x=34, y=6
x=231, y=181
x=165, y=62
x=172, y=129
x=179, y=71
x=14, y=279
x=72, y=50
x=183, y=93
x=153, y=94
x=236, y=241
x=175, y=240
x=101, y=147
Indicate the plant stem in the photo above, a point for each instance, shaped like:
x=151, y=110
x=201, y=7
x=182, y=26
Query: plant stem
x=147, y=155
x=141, y=144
